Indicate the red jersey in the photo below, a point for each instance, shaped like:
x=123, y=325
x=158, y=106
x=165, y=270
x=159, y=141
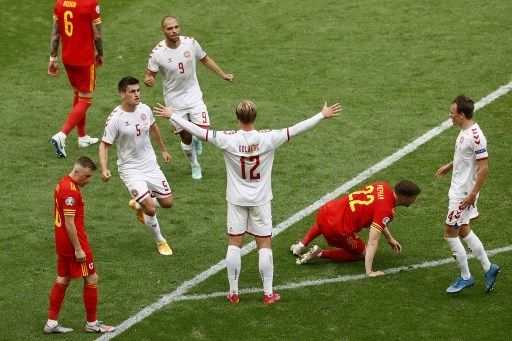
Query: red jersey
x=372, y=205
x=68, y=201
x=75, y=18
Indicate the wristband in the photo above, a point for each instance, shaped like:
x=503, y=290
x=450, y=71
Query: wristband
x=53, y=59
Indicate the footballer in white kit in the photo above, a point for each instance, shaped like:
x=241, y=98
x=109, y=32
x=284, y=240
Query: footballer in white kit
x=249, y=156
x=470, y=146
x=130, y=126
x=136, y=162
x=469, y=170
x=175, y=58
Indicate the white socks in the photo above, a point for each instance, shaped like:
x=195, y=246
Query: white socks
x=474, y=243
x=459, y=253
x=153, y=227
x=266, y=266
x=233, y=265
x=190, y=153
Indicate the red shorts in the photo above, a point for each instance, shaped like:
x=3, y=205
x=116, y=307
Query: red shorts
x=68, y=266
x=82, y=78
x=350, y=242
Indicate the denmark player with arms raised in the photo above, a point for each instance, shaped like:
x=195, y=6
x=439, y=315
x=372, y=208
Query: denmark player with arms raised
x=78, y=23
x=469, y=170
x=249, y=156
x=341, y=219
x=129, y=126
x=175, y=58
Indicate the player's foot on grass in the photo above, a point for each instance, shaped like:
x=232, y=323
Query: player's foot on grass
x=313, y=253
x=233, y=298
x=98, y=327
x=56, y=329
x=164, y=248
x=490, y=277
x=198, y=146
x=138, y=211
x=272, y=298
x=297, y=249
x=59, y=143
x=460, y=284
x=86, y=141
x=196, y=172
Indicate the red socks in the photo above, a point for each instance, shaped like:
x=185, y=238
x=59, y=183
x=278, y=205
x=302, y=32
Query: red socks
x=56, y=298
x=91, y=301
x=77, y=116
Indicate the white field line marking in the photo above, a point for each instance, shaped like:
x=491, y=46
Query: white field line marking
x=185, y=286
x=340, y=279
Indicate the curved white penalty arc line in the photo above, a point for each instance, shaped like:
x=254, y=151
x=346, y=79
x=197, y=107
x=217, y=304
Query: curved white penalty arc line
x=340, y=279
x=185, y=286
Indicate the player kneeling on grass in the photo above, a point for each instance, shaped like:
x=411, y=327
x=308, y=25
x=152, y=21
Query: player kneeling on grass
x=341, y=219
x=249, y=155
x=74, y=255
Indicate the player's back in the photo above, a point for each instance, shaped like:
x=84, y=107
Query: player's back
x=75, y=20
x=357, y=210
x=249, y=156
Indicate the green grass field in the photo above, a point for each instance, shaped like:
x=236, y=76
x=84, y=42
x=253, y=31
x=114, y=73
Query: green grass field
x=394, y=65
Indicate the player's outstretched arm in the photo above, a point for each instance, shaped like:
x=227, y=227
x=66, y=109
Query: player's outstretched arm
x=168, y=112
x=328, y=111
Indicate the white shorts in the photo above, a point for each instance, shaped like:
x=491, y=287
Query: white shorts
x=256, y=220
x=197, y=115
x=144, y=184
x=457, y=217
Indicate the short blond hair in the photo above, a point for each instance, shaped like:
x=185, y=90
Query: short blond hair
x=246, y=112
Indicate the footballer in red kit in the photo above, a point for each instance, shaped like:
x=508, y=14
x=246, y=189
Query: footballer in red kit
x=341, y=219
x=74, y=255
x=78, y=25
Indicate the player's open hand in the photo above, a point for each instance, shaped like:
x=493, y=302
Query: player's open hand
x=395, y=245
x=162, y=111
x=331, y=110
x=53, y=69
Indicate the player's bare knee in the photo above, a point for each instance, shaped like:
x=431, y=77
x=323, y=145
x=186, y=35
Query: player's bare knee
x=91, y=279
x=166, y=202
x=63, y=280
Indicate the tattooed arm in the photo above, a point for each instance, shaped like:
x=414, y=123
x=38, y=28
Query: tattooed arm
x=54, y=49
x=98, y=43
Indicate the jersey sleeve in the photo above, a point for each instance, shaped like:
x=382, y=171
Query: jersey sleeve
x=479, y=144
x=110, y=132
x=153, y=63
x=278, y=137
x=68, y=199
x=198, y=51
x=382, y=219
x=94, y=12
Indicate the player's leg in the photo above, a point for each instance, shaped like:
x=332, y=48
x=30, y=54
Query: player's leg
x=260, y=226
x=90, y=297
x=455, y=220
x=57, y=295
x=236, y=228
x=349, y=248
x=475, y=245
x=161, y=195
x=314, y=231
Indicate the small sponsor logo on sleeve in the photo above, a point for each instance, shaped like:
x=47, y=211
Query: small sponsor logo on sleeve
x=386, y=221
x=69, y=201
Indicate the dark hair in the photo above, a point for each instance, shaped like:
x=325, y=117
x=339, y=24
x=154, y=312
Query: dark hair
x=406, y=188
x=464, y=105
x=125, y=81
x=246, y=112
x=85, y=162
x=168, y=17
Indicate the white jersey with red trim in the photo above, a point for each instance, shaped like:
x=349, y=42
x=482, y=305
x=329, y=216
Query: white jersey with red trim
x=130, y=132
x=249, y=156
x=471, y=146
x=178, y=68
